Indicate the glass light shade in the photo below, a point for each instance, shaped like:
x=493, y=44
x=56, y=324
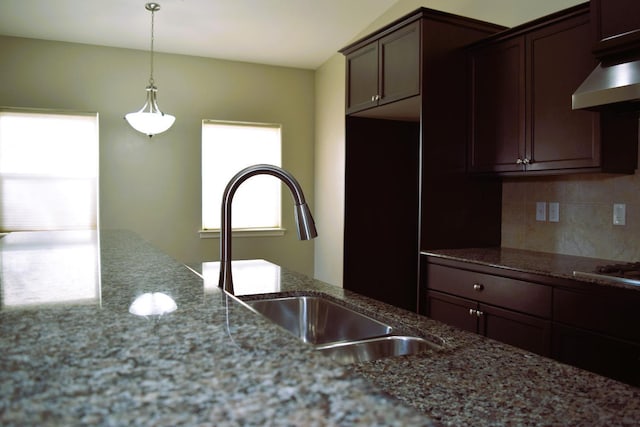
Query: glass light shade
x=149, y=119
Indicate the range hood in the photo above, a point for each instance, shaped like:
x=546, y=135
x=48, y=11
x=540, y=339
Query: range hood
x=617, y=84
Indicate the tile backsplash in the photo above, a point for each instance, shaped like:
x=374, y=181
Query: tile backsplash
x=585, y=226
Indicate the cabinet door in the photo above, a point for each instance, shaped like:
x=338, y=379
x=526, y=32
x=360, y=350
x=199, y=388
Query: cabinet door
x=559, y=59
x=527, y=332
x=400, y=64
x=520, y=330
x=451, y=310
x=497, y=107
x=610, y=311
x=616, y=26
x=598, y=353
x=362, y=78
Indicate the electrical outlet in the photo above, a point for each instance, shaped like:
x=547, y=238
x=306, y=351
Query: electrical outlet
x=541, y=211
x=554, y=212
x=619, y=214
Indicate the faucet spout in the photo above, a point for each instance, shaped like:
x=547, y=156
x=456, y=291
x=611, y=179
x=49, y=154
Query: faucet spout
x=304, y=220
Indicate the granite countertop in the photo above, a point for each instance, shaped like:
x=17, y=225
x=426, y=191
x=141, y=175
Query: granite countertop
x=541, y=263
x=73, y=354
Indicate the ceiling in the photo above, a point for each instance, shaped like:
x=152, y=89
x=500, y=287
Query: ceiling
x=292, y=33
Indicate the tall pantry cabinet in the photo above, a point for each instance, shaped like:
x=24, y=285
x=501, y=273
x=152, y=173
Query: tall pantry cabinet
x=406, y=189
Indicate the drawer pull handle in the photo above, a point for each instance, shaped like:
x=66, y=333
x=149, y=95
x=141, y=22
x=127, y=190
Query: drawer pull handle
x=478, y=287
x=476, y=313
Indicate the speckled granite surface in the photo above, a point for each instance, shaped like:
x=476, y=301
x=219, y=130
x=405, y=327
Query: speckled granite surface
x=210, y=362
x=88, y=361
x=546, y=264
x=481, y=382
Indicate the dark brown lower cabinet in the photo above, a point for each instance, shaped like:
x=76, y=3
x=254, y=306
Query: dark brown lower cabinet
x=598, y=353
x=597, y=328
x=517, y=329
x=593, y=327
x=520, y=330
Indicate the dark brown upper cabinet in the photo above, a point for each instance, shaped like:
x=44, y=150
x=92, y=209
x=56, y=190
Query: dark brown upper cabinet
x=498, y=107
x=616, y=27
x=522, y=121
x=384, y=70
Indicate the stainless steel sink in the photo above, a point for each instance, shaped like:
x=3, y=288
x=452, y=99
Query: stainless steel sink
x=318, y=320
x=376, y=348
x=338, y=331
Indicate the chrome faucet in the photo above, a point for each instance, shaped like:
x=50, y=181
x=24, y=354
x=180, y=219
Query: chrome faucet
x=304, y=220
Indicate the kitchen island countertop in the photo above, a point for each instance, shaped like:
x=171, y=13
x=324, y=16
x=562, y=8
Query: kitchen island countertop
x=73, y=354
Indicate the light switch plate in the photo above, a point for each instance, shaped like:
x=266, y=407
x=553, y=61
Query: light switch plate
x=619, y=214
x=554, y=212
x=541, y=211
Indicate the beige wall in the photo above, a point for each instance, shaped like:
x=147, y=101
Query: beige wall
x=329, y=176
x=329, y=119
x=152, y=186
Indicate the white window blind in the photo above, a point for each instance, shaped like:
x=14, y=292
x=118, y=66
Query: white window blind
x=48, y=170
x=227, y=148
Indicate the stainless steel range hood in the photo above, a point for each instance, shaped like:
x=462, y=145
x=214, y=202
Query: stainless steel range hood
x=606, y=85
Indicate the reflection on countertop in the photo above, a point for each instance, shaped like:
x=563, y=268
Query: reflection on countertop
x=250, y=277
x=61, y=269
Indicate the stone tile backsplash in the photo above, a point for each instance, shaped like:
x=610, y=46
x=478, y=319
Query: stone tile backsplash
x=586, y=215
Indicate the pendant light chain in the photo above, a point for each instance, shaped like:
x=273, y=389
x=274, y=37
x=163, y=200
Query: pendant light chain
x=153, y=13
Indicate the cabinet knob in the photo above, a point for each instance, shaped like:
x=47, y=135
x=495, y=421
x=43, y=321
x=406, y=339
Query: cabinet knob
x=479, y=313
x=478, y=287
x=519, y=162
x=472, y=312
x=375, y=98
x=526, y=161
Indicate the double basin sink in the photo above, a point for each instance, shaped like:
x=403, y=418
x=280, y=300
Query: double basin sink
x=337, y=331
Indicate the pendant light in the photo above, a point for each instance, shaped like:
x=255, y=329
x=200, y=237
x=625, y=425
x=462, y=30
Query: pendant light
x=149, y=119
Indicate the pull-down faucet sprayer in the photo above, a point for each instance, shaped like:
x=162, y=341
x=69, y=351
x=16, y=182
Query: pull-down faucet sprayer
x=304, y=220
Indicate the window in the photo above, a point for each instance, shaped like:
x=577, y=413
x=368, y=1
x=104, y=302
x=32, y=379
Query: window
x=227, y=148
x=48, y=170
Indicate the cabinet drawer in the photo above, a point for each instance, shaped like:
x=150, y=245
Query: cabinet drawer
x=612, y=313
x=504, y=292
